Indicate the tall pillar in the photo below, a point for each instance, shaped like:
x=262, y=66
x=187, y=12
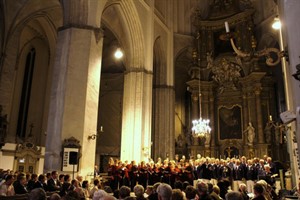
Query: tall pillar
x=245, y=112
x=75, y=85
x=136, y=118
x=260, y=133
x=164, y=138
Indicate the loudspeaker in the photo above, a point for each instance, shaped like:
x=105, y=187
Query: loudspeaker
x=73, y=159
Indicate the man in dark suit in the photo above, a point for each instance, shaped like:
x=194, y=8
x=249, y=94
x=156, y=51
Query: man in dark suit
x=19, y=185
x=53, y=183
x=41, y=183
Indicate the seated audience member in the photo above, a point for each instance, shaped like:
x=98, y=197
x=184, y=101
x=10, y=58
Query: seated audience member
x=243, y=191
x=177, y=194
x=164, y=191
x=108, y=189
x=79, y=178
x=7, y=188
x=41, y=183
x=31, y=182
x=52, y=183
x=20, y=184
x=65, y=186
x=190, y=192
x=258, y=192
x=100, y=195
x=116, y=194
x=124, y=192
x=203, y=190
x=76, y=188
x=139, y=192
x=149, y=192
x=37, y=194
x=85, y=188
x=95, y=188
x=61, y=179
x=215, y=194
x=233, y=196
x=54, y=196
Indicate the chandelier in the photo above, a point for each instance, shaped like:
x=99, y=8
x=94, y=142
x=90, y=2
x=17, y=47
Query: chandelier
x=200, y=126
x=273, y=55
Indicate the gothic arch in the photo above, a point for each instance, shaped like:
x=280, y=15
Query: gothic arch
x=133, y=44
x=37, y=28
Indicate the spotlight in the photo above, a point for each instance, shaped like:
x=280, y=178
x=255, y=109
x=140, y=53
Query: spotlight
x=118, y=53
x=276, y=24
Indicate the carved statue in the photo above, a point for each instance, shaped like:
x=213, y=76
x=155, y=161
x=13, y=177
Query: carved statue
x=279, y=128
x=207, y=139
x=268, y=132
x=180, y=141
x=250, y=133
x=226, y=74
x=209, y=59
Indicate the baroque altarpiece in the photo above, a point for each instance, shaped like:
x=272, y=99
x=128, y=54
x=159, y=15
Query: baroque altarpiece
x=237, y=94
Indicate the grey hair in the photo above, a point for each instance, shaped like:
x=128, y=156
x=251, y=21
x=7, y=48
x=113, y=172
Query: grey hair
x=164, y=191
x=233, y=196
x=138, y=190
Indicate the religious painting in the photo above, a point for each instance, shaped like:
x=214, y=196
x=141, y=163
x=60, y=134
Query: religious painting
x=230, y=122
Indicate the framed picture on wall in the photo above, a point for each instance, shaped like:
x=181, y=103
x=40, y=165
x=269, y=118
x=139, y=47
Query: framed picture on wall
x=230, y=122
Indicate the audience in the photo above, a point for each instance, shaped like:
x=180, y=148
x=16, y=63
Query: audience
x=164, y=191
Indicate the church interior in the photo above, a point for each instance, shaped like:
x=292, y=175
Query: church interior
x=65, y=93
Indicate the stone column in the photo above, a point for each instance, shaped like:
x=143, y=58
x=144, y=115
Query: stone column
x=163, y=124
x=260, y=133
x=245, y=112
x=214, y=133
x=136, y=118
x=73, y=107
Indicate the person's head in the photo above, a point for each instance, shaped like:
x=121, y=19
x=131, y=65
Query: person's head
x=202, y=187
x=85, y=184
x=37, y=194
x=177, y=194
x=54, y=174
x=155, y=186
x=61, y=177
x=22, y=179
x=149, y=190
x=54, y=196
x=74, y=182
x=79, y=178
x=96, y=182
x=178, y=185
x=216, y=189
x=124, y=192
x=164, y=192
x=67, y=178
x=34, y=177
x=243, y=187
x=138, y=190
x=42, y=178
x=233, y=196
x=258, y=189
x=99, y=195
x=190, y=192
x=108, y=189
x=9, y=179
x=48, y=175
x=209, y=188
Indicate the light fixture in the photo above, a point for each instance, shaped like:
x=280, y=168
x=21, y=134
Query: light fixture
x=200, y=126
x=272, y=55
x=94, y=136
x=118, y=53
x=276, y=24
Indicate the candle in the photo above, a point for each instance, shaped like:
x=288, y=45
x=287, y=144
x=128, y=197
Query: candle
x=227, y=27
x=101, y=128
x=270, y=118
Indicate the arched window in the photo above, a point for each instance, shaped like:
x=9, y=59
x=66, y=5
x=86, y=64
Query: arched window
x=25, y=96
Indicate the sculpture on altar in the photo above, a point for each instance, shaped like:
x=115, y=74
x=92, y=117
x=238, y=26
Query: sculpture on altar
x=250, y=133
